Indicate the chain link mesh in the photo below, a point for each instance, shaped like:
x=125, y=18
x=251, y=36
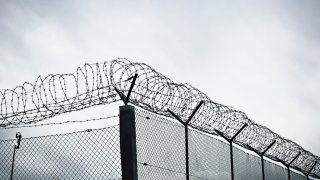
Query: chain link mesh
x=161, y=154
x=90, y=154
x=274, y=171
x=296, y=176
x=246, y=166
x=96, y=84
x=209, y=158
x=95, y=154
x=160, y=147
x=6, y=154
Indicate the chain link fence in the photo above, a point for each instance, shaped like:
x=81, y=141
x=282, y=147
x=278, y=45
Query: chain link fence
x=160, y=147
x=142, y=86
x=90, y=154
x=161, y=154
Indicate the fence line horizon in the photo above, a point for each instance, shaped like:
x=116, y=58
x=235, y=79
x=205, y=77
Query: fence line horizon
x=96, y=84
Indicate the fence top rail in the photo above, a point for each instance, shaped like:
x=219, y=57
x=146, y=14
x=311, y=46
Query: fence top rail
x=64, y=134
x=96, y=84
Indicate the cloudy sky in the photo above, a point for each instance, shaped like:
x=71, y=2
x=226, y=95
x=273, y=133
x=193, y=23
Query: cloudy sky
x=261, y=57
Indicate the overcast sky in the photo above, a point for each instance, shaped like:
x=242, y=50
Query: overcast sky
x=261, y=57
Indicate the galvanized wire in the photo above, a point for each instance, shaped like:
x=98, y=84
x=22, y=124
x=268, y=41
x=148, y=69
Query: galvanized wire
x=89, y=154
x=161, y=155
x=94, y=84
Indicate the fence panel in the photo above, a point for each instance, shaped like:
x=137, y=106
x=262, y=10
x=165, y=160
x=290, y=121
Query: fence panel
x=6, y=155
x=209, y=157
x=95, y=154
x=296, y=176
x=160, y=147
x=274, y=171
x=246, y=166
x=91, y=154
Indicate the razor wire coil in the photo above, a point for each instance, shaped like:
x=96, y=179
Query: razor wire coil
x=94, y=84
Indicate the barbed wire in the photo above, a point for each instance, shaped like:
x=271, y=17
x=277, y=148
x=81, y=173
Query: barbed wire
x=95, y=84
x=63, y=122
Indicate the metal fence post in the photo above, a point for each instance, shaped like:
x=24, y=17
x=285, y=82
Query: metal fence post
x=261, y=154
x=288, y=166
x=186, y=134
x=311, y=169
x=262, y=161
x=128, y=148
x=231, y=147
x=16, y=146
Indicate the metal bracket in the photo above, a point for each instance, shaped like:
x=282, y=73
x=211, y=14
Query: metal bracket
x=294, y=159
x=312, y=168
x=190, y=117
x=268, y=147
x=222, y=135
x=237, y=133
x=253, y=149
x=234, y=136
x=185, y=124
x=176, y=116
x=18, y=139
x=194, y=112
x=16, y=146
x=230, y=145
x=124, y=98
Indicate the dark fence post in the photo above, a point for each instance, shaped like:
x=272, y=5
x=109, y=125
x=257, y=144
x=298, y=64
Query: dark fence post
x=128, y=148
x=288, y=166
x=231, y=147
x=262, y=161
x=186, y=134
x=311, y=169
x=16, y=146
x=261, y=154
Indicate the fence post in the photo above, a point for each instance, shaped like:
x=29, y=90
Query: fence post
x=288, y=166
x=128, y=148
x=15, y=147
x=231, y=149
x=230, y=145
x=262, y=161
x=186, y=134
x=311, y=169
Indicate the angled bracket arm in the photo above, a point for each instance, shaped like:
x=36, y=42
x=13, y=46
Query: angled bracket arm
x=222, y=135
x=194, y=112
x=176, y=116
x=190, y=117
x=296, y=157
x=240, y=130
x=282, y=162
x=315, y=163
x=237, y=133
x=131, y=87
x=254, y=150
x=124, y=98
x=186, y=134
x=264, y=152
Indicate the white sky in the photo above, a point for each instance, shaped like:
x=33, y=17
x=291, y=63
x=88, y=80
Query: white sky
x=261, y=57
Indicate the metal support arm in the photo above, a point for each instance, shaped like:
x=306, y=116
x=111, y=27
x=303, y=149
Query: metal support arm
x=16, y=146
x=262, y=161
x=315, y=163
x=230, y=144
x=186, y=133
x=124, y=98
